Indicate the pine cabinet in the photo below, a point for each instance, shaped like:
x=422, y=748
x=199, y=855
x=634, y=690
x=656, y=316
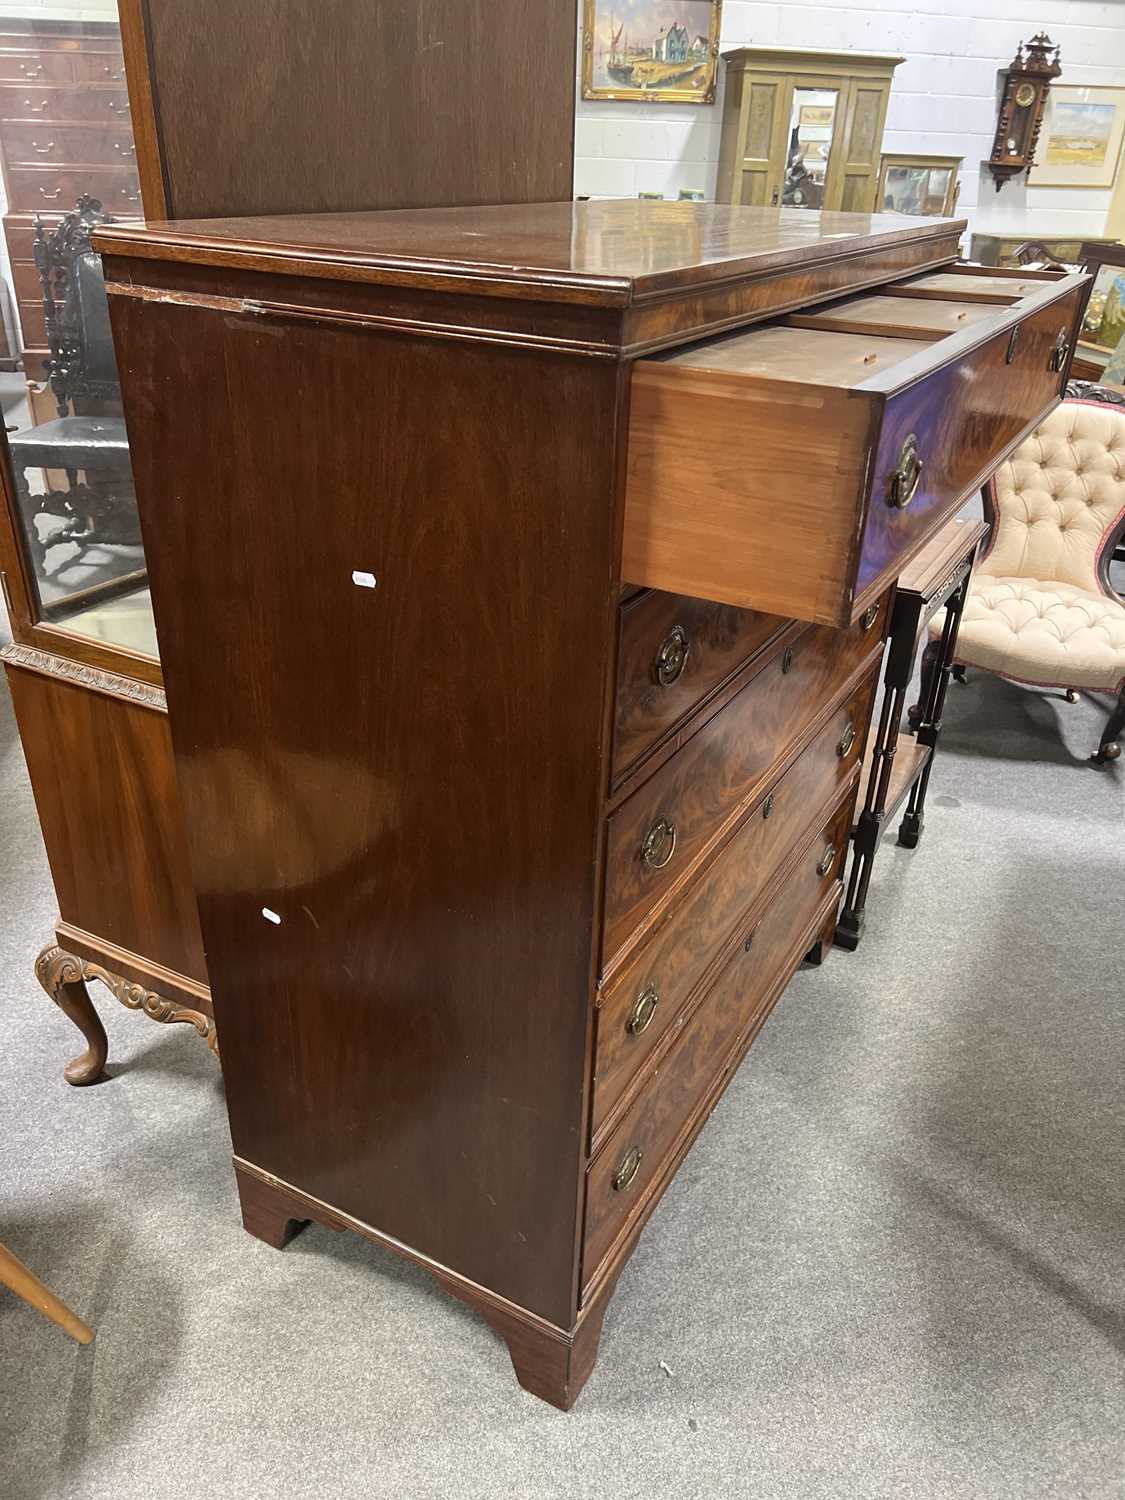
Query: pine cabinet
x=803, y=129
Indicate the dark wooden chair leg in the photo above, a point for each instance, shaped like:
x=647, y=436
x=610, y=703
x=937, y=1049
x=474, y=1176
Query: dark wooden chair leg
x=1110, y=747
x=60, y=974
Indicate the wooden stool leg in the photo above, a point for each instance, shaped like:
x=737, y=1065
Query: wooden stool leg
x=60, y=974
x=14, y=1274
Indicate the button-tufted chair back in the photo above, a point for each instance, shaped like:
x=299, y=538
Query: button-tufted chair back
x=1059, y=497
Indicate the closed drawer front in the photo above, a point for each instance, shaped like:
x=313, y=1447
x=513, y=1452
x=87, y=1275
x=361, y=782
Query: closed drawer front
x=674, y=652
x=33, y=324
x=634, y=1161
x=643, y=1000
x=46, y=66
x=661, y=831
x=757, y=459
x=19, y=231
x=116, y=187
x=48, y=101
x=26, y=280
x=32, y=145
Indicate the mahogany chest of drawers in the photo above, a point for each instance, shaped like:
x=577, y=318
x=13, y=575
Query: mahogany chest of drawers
x=520, y=593
x=65, y=130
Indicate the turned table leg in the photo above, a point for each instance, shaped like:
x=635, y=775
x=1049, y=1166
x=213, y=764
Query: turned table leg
x=25, y=1284
x=60, y=974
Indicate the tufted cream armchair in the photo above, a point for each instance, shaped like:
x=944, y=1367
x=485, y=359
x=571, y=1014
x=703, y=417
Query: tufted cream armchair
x=1040, y=608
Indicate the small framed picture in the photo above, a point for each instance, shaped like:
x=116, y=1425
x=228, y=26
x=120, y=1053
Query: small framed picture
x=651, y=51
x=1080, y=142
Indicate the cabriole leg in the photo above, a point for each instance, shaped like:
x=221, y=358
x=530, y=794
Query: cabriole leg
x=60, y=974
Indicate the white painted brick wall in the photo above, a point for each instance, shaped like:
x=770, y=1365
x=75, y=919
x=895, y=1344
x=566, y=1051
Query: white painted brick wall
x=944, y=98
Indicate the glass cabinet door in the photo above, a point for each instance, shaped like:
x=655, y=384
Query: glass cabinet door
x=70, y=164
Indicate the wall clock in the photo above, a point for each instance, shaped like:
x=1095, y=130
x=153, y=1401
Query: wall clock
x=1026, y=86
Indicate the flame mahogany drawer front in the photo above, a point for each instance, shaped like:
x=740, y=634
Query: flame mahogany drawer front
x=663, y=829
x=51, y=186
x=797, y=466
x=51, y=101
x=674, y=652
x=643, y=1000
x=631, y=1166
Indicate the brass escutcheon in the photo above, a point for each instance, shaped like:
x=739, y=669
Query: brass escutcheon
x=907, y=474
x=847, y=740
x=827, y=860
x=644, y=1008
x=627, y=1171
x=672, y=656
x=659, y=844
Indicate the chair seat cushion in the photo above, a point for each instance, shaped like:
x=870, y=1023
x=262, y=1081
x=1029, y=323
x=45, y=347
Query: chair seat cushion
x=71, y=442
x=1052, y=634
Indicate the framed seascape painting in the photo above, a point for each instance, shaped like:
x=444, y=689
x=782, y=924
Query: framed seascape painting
x=658, y=51
x=1081, y=139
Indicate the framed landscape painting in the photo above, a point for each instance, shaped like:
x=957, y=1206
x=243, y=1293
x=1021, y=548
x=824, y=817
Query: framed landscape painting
x=658, y=51
x=1081, y=140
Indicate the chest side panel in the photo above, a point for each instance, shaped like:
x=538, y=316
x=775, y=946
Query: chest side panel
x=407, y=774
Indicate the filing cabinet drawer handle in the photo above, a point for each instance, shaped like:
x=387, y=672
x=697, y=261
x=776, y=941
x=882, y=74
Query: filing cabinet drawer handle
x=827, y=860
x=626, y=1173
x=659, y=844
x=52, y=196
x=847, y=740
x=672, y=657
x=42, y=150
x=644, y=1008
x=1059, y=350
x=907, y=473
x=870, y=615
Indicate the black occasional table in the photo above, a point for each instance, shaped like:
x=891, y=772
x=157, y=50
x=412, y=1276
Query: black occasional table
x=898, y=763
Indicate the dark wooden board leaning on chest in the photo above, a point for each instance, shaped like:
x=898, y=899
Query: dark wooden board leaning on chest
x=394, y=724
x=208, y=135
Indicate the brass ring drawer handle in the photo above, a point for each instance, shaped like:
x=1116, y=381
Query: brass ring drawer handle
x=626, y=1173
x=644, y=1008
x=672, y=657
x=827, y=860
x=907, y=473
x=659, y=844
x=847, y=740
x=870, y=615
x=1056, y=360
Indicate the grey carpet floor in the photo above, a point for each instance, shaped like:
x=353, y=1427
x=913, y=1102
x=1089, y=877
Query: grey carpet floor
x=894, y=1264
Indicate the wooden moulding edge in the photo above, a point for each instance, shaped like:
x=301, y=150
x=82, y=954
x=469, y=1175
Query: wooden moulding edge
x=78, y=674
x=487, y=1302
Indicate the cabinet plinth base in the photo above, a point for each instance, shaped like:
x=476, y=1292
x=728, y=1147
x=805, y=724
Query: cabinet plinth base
x=550, y=1362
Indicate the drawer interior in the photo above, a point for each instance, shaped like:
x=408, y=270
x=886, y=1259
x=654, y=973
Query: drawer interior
x=847, y=342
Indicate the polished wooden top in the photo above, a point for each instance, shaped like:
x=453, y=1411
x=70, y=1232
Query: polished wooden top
x=610, y=252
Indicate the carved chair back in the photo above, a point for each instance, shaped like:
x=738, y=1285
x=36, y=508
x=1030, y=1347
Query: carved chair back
x=76, y=308
x=1057, y=505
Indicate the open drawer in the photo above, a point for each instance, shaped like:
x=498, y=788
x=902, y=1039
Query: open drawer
x=795, y=467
